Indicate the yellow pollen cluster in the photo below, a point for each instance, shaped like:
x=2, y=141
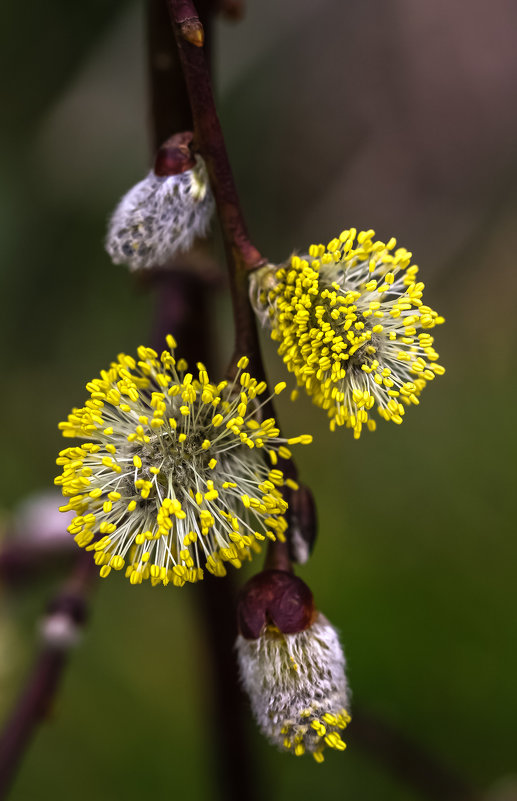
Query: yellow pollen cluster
x=177, y=473
x=315, y=733
x=352, y=327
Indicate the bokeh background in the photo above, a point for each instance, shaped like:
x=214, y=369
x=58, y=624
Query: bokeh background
x=398, y=115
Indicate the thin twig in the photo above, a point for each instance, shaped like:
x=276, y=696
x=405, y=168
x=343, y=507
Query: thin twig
x=209, y=135
x=22, y=560
x=407, y=760
x=66, y=615
x=185, y=308
x=242, y=255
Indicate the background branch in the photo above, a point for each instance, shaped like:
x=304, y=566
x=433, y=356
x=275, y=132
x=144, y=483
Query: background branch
x=66, y=615
x=242, y=256
x=406, y=760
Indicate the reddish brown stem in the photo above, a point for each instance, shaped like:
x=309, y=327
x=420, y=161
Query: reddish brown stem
x=242, y=255
x=70, y=606
x=185, y=308
x=210, y=140
x=21, y=561
x=277, y=557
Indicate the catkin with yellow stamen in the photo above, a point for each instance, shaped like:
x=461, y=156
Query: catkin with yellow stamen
x=176, y=473
x=352, y=327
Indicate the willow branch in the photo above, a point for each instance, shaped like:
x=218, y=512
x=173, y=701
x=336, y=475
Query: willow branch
x=66, y=615
x=242, y=255
x=189, y=34
x=407, y=760
x=184, y=292
x=22, y=560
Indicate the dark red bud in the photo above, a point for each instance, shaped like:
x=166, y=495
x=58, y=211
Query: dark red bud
x=175, y=156
x=274, y=597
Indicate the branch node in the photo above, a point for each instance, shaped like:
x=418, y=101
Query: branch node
x=59, y=631
x=192, y=31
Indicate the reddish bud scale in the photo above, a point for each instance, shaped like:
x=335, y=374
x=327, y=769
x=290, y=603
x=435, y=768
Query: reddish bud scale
x=192, y=31
x=175, y=156
x=274, y=597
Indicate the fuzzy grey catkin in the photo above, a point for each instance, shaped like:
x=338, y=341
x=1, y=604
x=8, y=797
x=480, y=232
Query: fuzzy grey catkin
x=160, y=217
x=297, y=687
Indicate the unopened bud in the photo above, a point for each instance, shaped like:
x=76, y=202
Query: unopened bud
x=59, y=631
x=297, y=687
x=162, y=215
x=192, y=31
x=274, y=598
x=175, y=155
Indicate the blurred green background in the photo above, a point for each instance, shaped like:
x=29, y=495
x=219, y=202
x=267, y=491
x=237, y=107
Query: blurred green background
x=394, y=115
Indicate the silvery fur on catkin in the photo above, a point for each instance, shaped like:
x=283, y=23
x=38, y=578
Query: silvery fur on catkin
x=280, y=692
x=160, y=217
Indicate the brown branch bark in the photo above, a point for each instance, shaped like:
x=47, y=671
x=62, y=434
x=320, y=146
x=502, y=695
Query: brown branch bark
x=23, y=561
x=68, y=611
x=242, y=255
x=185, y=308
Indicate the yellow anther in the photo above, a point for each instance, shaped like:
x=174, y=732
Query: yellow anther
x=144, y=528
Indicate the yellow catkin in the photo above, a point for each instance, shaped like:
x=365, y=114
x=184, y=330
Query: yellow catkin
x=352, y=327
x=162, y=484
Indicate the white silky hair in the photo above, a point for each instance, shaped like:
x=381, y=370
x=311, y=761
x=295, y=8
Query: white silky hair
x=294, y=679
x=160, y=217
